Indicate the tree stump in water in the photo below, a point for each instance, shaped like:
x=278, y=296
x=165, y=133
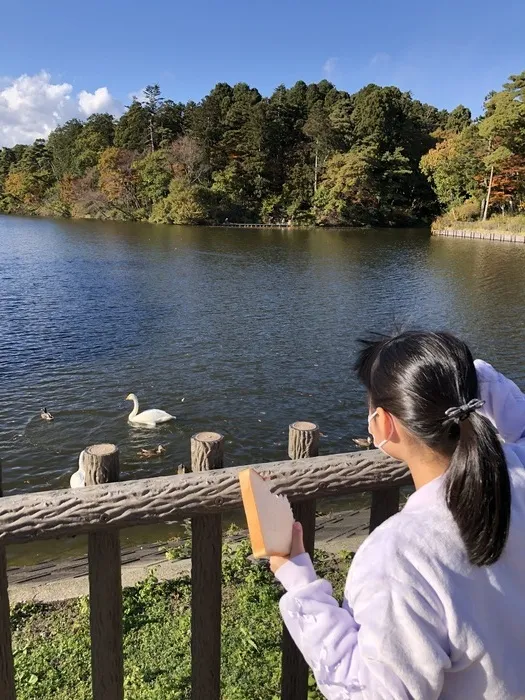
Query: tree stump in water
x=303, y=440
x=101, y=464
x=207, y=451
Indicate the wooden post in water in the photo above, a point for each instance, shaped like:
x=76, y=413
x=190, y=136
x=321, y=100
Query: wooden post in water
x=101, y=466
x=7, y=675
x=207, y=452
x=303, y=441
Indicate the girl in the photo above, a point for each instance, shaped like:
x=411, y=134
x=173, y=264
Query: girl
x=435, y=599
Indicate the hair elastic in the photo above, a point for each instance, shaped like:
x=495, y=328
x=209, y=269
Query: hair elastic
x=462, y=412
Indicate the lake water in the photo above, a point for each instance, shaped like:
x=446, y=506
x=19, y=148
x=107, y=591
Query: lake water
x=239, y=331
x=236, y=330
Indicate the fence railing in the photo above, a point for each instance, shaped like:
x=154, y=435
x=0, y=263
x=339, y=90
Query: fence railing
x=103, y=509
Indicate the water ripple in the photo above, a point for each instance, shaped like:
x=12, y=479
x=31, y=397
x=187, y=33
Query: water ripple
x=253, y=329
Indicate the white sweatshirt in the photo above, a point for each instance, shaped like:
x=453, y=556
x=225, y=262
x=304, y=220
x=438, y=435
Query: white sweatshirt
x=418, y=620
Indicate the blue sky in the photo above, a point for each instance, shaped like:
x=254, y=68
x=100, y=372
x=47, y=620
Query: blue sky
x=445, y=52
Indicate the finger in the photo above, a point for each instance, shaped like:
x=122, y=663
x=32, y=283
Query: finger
x=297, y=539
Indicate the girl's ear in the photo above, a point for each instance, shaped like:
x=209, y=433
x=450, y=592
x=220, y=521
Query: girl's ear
x=382, y=427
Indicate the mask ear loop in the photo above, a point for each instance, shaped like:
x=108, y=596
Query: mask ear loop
x=383, y=442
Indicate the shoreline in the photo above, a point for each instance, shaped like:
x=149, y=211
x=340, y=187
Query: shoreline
x=261, y=225
x=58, y=580
x=487, y=235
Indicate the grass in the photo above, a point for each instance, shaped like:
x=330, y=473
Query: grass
x=52, y=652
x=505, y=224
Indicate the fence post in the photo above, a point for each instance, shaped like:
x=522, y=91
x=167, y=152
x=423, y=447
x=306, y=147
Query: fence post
x=207, y=452
x=7, y=675
x=101, y=466
x=385, y=503
x=303, y=441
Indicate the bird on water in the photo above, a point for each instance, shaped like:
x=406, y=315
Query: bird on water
x=364, y=443
x=158, y=451
x=150, y=418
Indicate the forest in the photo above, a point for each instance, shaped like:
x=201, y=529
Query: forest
x=309, y=154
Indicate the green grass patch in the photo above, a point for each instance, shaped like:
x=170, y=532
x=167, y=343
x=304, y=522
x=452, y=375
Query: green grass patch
x=52, y=652
x=505, y=224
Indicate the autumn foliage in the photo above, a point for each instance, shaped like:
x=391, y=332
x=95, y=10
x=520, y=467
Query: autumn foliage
x=311, y=154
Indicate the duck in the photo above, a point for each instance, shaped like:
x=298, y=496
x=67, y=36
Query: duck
x=78, y=479
x=150, y=418
x=364, y=443
x=46, y=415
x=155, y=452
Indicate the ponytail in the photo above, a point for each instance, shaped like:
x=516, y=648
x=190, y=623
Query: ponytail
x=478, y=490
x=429, y=382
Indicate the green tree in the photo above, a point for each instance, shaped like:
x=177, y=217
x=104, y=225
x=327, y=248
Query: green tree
x=185, y=204
x=169, y=123
x=504, y=121
x=284, y=136
x=297, y=195
x=458, y=119
x=319, y=131
x=348, y=192
x=97, y=134
x=29, y=178
x=232, y=187
x=310, y=152
x=132, y=130
x=61, y=145
x=367, y=186
x=340, y=115
x=152, y=103
x=153, y=177
x=455, y=166
x=206, y=124
x=7, y=159
x=242, y=143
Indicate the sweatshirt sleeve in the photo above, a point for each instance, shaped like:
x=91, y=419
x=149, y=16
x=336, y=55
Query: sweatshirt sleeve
x=389, y=646
x=504, y=403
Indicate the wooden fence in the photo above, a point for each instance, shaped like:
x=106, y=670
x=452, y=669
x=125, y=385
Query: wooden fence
x=485, y=234
x=106, y=506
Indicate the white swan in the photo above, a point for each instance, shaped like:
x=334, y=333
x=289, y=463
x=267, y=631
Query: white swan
x=149, y=418
x=78, y=479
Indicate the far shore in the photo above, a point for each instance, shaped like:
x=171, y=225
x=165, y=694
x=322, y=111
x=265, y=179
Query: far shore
x=487, y=234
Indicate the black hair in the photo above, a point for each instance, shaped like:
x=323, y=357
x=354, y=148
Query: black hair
x=417, y=376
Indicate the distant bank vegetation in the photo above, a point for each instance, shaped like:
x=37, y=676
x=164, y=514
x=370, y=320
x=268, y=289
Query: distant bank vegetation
x=311, y=154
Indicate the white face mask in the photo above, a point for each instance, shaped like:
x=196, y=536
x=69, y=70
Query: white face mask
x=383, y=442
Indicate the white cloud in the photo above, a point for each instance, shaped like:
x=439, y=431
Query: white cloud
x=99, y=101
x=329, y=67
x=380, y=59
x=32, y=105
x=137, y=95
